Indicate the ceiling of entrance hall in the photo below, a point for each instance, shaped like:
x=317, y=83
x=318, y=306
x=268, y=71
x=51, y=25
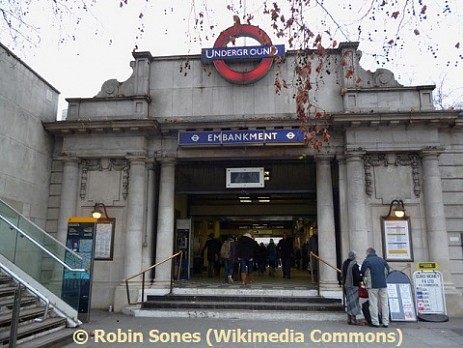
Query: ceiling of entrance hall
x=289, y=181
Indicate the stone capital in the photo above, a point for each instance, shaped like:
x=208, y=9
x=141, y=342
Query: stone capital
x=68, y=158
x=167, y=161
x=137, y=157
x=354, y=153
x=323, y=157
x=431, y=151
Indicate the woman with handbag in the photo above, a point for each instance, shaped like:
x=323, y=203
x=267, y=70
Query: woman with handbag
x=352, y=281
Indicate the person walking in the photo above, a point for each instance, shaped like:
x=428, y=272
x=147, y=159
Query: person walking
x=286, y=253
x=213, y=246
x=305, y=255
x=272, y=258
x=261, y=258
x=375, y=270
x=246, y=250
x=313, y=248
x=352, y=279
x=226, y=255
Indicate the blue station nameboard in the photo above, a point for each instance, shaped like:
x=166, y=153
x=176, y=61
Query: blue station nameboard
x=242, y=137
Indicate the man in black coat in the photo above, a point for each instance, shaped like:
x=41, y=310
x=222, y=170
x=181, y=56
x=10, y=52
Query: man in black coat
x=246, y=250
x=213, y=246
x=286, y=252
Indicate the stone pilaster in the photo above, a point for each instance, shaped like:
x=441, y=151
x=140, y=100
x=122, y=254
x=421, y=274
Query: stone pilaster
x=69, y=194
x=343, y=215
x=136, y=207
x=356, y=202
x=165, y=238
x=147, y=260
x=325, y=223
x=434, y=212
x=436, y=226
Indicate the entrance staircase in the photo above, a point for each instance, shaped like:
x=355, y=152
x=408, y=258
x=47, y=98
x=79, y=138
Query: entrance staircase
x=36, y=325
x=34, y=311
x=265, y=300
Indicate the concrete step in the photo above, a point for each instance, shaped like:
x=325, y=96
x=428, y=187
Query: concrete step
x=235, y=314
x=61, y=337
x=25, y=301
x=242, y=302
x=26, y=314
x=33, y=329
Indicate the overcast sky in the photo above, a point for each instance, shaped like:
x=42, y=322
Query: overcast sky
x=106, y=36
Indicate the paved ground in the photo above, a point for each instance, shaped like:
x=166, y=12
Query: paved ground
x=119, y=330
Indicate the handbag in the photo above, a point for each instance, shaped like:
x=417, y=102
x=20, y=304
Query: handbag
x=363, y=292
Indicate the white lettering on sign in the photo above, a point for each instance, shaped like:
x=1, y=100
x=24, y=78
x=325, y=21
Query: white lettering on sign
x=238, y=52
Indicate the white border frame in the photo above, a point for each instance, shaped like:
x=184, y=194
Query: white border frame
x=230, y=171
x=397, y=240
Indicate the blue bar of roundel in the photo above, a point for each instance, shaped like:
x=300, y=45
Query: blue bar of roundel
x=244, y=52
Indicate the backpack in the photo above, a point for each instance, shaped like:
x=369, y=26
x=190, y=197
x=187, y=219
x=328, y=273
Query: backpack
x=225, y=250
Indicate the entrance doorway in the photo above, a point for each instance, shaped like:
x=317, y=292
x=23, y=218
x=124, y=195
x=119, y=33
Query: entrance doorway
x=298, y=230
x=286, y=203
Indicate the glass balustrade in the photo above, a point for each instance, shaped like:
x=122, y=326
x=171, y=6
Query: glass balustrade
x=40, y=256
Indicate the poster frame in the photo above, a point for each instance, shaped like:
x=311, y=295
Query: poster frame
x=109, y=244
x=388, y=239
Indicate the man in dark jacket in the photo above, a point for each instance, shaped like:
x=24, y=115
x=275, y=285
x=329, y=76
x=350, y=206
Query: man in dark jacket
x=375, y=271
x=213, y=246
x=286, y=253
x=246, y=251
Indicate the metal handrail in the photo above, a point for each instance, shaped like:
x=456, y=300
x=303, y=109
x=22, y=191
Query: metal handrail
x=326, y=263
x=45, y=249
x=28, y=287
x=142, y=273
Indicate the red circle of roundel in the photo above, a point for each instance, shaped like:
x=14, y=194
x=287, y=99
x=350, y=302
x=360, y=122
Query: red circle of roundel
x=233, y=33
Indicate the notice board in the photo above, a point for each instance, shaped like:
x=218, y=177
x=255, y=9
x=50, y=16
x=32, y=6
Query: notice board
x=77, y=287
x=430, y=297
x=401, y=302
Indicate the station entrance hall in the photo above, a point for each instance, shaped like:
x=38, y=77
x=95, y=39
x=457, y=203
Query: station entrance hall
x=227, y=198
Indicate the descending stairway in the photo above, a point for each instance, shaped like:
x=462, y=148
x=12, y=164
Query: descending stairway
x=33, y=330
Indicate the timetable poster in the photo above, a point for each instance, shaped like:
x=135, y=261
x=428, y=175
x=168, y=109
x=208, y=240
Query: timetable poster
x=397, y=241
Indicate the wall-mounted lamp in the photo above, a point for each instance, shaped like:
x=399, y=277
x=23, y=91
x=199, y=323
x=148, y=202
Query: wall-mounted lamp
x=397, y=209
x=98, y=210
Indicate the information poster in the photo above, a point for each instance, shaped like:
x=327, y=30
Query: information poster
x=396, y=240
x=429, y=293
x=104, y=240
x=401, y=302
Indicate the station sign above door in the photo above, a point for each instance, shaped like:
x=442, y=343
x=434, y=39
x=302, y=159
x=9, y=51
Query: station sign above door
x=221, y=53
x=242, y=137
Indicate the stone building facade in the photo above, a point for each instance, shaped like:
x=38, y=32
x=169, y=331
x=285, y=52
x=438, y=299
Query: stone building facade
x=134, y=147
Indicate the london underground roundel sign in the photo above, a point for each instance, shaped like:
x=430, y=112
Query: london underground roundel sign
x=220, y=53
